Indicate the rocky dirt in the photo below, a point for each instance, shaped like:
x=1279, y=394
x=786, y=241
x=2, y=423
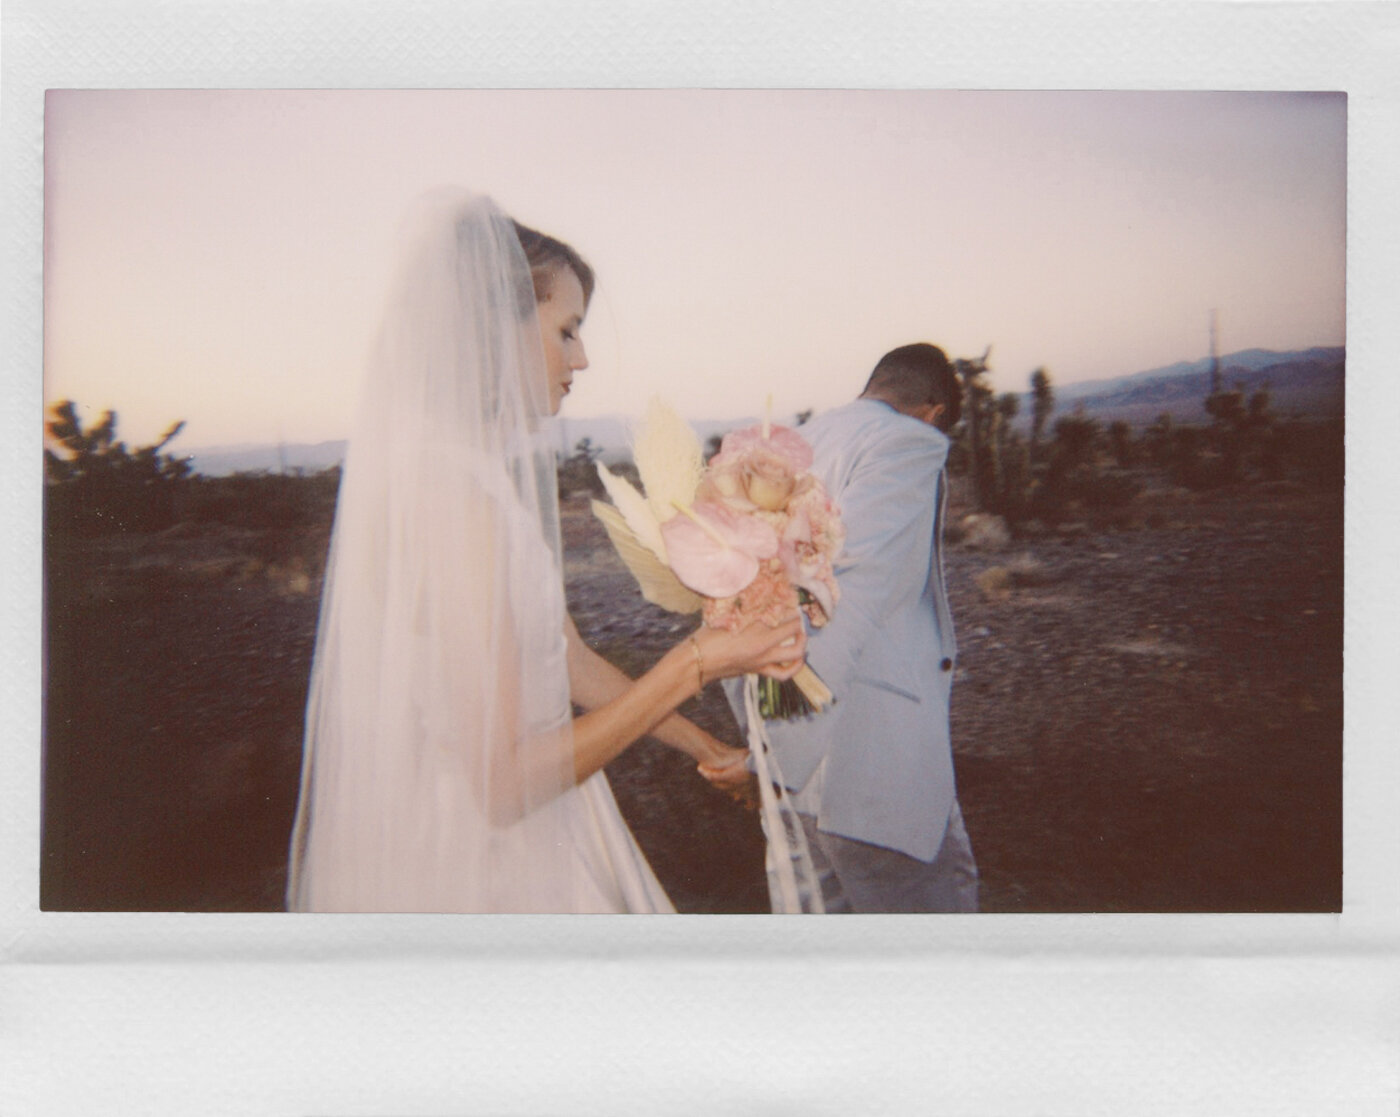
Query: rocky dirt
x=1145, y=718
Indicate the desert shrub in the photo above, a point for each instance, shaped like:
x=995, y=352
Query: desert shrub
x=1315, y=451
x=1076, y=442
x=1227, y=407
x=1085, y=488
x=974, y=437
x=980, y=531
x=1120, y=444
x=1111, y=488
x=997, y=582
x=960, y=459
x=264, y=501
x=1157, y=441
x=994, y=582
x=1042, y=405
x=1270, y=450
x=1243, y=434
x=94, y=485
x=1012, y=477
x=1027, y=570
x=987, y=450
x=629, y=471
x=578, y=473
x=1073, y=482
x=1186, y=454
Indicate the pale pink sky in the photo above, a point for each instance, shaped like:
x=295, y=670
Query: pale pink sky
x=221, y=257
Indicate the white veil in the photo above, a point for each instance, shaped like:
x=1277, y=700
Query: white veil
x=438, y=746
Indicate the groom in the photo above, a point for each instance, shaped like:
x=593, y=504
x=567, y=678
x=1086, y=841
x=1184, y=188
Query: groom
x=874, y=773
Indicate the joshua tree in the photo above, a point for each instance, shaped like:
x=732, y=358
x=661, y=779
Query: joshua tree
x=1261, y=425
x=1010, y=461
x=1260, y=407
x=1042, y=404
x=1008, y=407
x=1120, y=441
x=103, y=486
x=977, y=417
x=1076, y=437
x=1240, y=423
x=96, y=451
x=1227, y=408
x=1004, y=410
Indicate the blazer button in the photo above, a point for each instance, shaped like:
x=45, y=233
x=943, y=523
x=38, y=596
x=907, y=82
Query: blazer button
x=946, y=665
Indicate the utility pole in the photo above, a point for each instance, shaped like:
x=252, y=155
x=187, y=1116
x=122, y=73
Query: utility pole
x=1214, y=358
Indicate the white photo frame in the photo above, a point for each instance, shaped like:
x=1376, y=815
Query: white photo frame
x=1017, y=1015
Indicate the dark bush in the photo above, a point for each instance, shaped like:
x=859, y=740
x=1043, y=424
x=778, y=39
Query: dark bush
x=1083, y=489
x=1314, y=451
x=578, y=473
x=93, y=485
x=1120, y=444
x=263, y=501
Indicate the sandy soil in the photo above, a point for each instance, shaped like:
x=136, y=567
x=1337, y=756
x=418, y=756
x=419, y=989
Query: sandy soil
x=1146, y=718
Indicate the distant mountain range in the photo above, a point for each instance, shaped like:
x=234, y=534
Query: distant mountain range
x=1305, y=383
x=267, y=457
x=1309, y=383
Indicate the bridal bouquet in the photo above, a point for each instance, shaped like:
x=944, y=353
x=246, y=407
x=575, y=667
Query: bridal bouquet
x=751, y=536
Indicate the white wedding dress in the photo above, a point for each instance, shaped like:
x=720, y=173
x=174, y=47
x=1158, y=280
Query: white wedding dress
x=438, y=761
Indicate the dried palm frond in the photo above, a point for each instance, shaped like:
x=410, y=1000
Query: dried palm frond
x=669, y=460
x=658, y=583
x=635, y=510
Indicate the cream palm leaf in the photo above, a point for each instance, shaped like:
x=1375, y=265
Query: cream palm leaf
x=658, y=583
x=669, y=460
x=635, y=511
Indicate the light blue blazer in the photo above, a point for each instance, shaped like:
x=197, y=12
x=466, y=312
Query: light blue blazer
x=888, y=653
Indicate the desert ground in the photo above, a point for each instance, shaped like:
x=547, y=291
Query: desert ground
x=1147, y=713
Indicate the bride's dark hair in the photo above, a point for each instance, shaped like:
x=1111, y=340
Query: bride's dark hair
x=546, y=255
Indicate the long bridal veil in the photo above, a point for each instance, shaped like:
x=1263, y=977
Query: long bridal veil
x=437, y=749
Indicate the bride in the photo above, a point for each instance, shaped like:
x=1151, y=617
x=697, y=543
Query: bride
x=443, y=766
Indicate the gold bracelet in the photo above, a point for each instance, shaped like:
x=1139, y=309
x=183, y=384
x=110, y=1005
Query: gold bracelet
x=699, y=660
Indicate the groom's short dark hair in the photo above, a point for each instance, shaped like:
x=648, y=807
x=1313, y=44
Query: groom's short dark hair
x=914, y=375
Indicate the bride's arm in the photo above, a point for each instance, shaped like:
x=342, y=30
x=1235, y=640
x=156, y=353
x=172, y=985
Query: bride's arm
x=594, y=682
x=604, y=733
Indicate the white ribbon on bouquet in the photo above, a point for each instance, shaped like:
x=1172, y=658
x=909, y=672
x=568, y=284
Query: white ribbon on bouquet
x=792, y=880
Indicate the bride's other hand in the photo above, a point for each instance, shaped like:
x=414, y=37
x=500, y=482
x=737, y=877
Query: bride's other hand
x=721, y=764
x=731, y=775
x=776, y=652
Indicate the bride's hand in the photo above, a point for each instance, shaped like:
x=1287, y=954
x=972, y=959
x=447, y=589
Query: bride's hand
x=776, y=652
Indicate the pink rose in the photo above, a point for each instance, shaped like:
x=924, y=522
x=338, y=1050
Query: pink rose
x=783, y=441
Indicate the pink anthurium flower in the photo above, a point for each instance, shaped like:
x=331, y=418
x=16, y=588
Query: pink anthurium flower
x=716, y=550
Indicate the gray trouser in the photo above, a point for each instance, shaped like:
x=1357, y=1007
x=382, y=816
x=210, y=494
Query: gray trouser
x=860, y=877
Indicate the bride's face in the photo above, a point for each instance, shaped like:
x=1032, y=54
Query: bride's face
x=561, y=319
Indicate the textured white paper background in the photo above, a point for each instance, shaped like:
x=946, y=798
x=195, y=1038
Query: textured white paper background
x=988, y=1015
